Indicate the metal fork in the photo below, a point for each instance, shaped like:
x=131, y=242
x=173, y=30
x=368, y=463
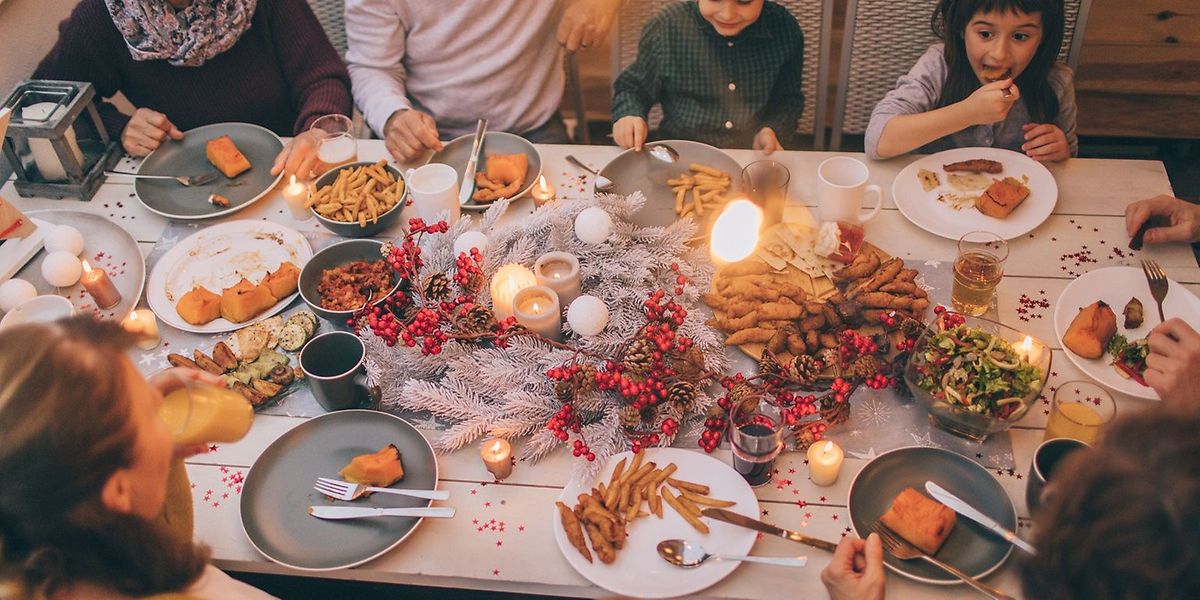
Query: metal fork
x=186, y=180
x=344, y=490
x=1158, y=284
x=900, y=548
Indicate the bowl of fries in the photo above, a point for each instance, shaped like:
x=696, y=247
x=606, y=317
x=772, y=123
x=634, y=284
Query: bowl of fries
x=358, y=199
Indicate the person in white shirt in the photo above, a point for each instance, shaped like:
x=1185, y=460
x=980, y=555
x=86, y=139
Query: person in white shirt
x=423, y=71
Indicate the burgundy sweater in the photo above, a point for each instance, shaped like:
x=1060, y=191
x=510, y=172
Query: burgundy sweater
x=282, y=73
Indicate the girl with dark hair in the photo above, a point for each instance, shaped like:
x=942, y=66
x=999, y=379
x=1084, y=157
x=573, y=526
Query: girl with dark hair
x=992, y=81
x=94, y=503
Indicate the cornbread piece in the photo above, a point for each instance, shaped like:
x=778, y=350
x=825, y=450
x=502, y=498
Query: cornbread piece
x=225, y=156
x=379, y=469
x=924, y=522
x=1002, y=197
x=1091, y=329
x=199, y=306
x=282, y=281
x=244, y=301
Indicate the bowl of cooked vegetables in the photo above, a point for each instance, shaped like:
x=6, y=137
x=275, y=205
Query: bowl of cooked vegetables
x=976, y=376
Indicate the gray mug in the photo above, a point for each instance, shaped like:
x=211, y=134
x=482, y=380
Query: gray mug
x=1048, y=454
x=333, y=364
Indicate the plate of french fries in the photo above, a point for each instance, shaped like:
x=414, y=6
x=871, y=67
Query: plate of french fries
x=608, y=529
x=697, y=185
x=358, y=199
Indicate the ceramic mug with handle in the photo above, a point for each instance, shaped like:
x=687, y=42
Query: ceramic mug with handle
x=841, y=187
x=434, y=190
x=333, y=364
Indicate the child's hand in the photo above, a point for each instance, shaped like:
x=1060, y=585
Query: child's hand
x=630, y=132
x=991, y=103
x=766, y=141
x=1045, y=141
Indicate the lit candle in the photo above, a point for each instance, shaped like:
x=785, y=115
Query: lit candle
x=538, y=310
x=1026, y=350
x=143, y=323
x=497, y=457
x=735, y=232
x=543, y=192
x=100, y=286
x=559, y=271
x=508, y=280
x=295, y=194
x=824, y=462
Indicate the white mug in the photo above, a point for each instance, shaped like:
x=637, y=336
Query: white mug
x=434, y=190
x=841, y=186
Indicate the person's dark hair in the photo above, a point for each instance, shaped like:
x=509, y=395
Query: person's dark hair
x=66, y=426
x=949, y=22
x=1124, y=519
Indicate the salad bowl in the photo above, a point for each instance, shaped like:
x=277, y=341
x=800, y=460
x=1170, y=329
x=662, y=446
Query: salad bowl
x=976, y=377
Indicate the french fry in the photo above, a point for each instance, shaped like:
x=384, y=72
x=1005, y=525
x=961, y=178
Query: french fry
x=680, y=484
x=655, y=501
x=362, y=194
x=616, y=474
x=664, y=474
x=683, y=512
x=680, y=192
x=688, y=505
x=707, y=170
x=635, y=502
x=657, y=508
x=600, y=488
x=613, y=494
x=705, y=500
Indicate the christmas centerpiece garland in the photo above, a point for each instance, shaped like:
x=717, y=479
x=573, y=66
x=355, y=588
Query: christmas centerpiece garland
x=436, y=347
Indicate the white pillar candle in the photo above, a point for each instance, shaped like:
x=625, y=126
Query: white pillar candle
x=295, y=195
x=559, y=271
x=144, y=324
x=497, y=457
x=538, y=310
x=824, y=462
x=508, y=280
x=44, y=156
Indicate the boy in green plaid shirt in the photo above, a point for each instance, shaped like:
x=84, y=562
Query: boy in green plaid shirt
x=727, y=73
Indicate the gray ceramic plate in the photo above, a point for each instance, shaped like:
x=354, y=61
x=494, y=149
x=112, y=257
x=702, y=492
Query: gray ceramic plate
x=970, y=547
x=105, y=245
x=186, y=157
x=456, y=152
x=634, y=171
x=278, y=491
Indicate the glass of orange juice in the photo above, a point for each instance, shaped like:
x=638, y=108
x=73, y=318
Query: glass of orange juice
x=338, y=146
x=1079, y=410
x=198, y=412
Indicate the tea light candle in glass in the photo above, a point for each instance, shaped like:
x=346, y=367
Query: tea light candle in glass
x=538, y=310
x=295, y=194
x=144, y=324
x=543, y=192
x=508, y=280
x=559, y=271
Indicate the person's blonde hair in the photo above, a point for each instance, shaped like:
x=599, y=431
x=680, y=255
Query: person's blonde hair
x=66, y=428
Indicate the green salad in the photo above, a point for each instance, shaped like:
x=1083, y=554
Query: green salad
x=975, y=369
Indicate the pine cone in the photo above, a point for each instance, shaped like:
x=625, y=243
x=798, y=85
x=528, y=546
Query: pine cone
x=437, y=286
x=408, y=313
x=805, y=369
x=585, y=377
x=638, y=420
x=864, y=367
x=478, y=320
x=639, y=356
x=682, y=396
x=768, y=364
x=564, y=391
x=690, y=365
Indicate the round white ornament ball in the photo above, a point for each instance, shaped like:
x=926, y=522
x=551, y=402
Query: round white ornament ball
x=593, y=225
x=64, y=238
x=587, y=315
x=61, y=269
x=468, y=240
x=14, y=292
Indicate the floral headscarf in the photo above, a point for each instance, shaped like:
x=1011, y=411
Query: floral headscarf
x=155, y=30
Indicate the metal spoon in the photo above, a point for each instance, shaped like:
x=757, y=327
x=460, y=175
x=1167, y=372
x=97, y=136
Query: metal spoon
x=663, y=152
x=602, y=183
x=683, y=553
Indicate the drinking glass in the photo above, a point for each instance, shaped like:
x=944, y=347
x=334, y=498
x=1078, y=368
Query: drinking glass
x=756, y=433
x=198, y=412
x=765, y=182
x=338, y=146
x=1079, y=410
x=977, y=271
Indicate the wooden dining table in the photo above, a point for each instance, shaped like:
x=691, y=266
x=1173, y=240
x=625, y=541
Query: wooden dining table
x=502, y=539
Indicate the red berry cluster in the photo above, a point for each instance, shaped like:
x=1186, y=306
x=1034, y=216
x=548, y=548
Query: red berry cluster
x=855, y=344
x=645, y=441
x=841, y=389
x=879, y=381
x=581, y=449
x=468, y=267
x=794, y=407
x=888, y=318
x=563, y=420
x=406, y=258
x=426, y=328
x=710, y=439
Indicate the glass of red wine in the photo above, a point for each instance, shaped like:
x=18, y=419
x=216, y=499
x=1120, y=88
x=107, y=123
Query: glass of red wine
x=756, y=433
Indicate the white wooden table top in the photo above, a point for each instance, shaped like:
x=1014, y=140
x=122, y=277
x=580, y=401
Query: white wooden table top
x=501, y=538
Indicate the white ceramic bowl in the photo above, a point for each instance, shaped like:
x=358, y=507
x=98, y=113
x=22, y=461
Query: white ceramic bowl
x=38, y=310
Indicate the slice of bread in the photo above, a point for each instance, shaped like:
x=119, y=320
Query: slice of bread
x=1002, y=197
x=924, y=522
x=226, y=157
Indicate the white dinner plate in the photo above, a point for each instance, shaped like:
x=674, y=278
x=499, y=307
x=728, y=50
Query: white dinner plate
x=939, y=218
x=218, y=257
x=1115, y=286
x=639, y=571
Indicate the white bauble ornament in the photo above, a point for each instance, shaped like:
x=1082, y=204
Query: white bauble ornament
x=61, y=269
x=587, y=315
x=593, y=225
x=64, y=238
x=468, y=240
x=14, y=292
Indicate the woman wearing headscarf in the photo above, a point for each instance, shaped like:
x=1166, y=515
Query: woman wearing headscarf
x=187, y=63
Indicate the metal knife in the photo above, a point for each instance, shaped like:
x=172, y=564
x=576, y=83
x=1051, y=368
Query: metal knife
x=961, y=507
x=357, y=512
x=467, y=187
x=733, y=518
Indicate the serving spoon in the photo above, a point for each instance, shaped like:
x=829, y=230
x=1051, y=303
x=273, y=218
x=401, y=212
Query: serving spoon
x=683, y=553
x=663, y=152
x=602, y=183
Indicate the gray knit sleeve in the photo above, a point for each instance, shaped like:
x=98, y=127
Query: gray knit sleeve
x=915, y=92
